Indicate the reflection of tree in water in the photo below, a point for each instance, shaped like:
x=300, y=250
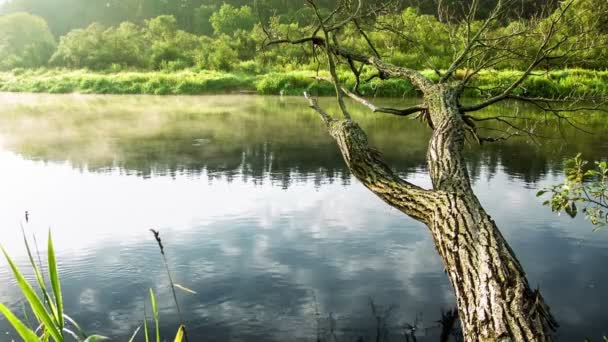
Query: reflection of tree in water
x=385, y=327
x=251, y=139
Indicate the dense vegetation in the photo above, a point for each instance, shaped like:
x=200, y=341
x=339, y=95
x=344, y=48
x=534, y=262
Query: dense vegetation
x=193, y=15
x=130, y=46
x=555, y=83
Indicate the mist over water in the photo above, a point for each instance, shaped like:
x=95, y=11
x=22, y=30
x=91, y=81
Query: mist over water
x=260, y=216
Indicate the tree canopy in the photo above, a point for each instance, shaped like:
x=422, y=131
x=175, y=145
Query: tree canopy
x=25, y=41
x=208, y=35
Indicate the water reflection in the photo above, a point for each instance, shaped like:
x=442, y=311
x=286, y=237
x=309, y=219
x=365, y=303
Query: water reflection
x=247, y=136
x=262, y=219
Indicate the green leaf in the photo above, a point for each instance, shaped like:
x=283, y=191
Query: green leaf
x=146, y=324
x=155, y=314
x=54, y=275
x=38, y=274
x=96, y=338
x=35, y=302
x=180, y=334
x=541, y=192
x=571, y=209
x=591, y=173
x=26, y=333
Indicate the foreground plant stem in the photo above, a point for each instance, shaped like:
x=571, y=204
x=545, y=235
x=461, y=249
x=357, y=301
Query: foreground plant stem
x=162, y=252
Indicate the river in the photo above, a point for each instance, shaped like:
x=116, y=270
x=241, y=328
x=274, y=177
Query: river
x=260, y=217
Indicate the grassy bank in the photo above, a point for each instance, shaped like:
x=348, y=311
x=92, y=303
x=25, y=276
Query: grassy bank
x=552, y=84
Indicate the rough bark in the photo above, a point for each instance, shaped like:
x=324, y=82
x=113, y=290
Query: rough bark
x=495, y=301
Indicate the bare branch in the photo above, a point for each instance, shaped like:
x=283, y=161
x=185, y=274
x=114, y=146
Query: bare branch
x=570, y=103
x=543, y=53
x=373, y=107
x=365, y=36
x=315, y=105
x=472, y=42
x=331, y=62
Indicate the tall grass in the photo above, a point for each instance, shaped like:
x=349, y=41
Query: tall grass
x=567, y=82
x=47, y=307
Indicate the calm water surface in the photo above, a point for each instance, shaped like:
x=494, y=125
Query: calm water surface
x=260, y=217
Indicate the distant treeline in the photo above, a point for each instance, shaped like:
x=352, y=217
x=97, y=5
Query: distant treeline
x=65, y=15
x=230, y=37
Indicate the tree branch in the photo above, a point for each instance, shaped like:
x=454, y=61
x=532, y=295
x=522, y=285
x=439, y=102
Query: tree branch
x=373, y=107
x=367, y=165
x=387, y=69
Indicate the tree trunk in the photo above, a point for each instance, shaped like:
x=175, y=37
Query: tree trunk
x=495, y=302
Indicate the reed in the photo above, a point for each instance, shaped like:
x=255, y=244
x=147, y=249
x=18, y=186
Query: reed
x=47, y=306
x=46, y=303
x=182, y=328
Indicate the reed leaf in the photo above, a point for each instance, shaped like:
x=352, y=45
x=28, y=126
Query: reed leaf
x=25, y=315
x=38, y=274
x=80, y=331
x=180, y=334
x=73, y=334
x=26, y=333
x=146, y=324
x=36, y=304
x=155, y=314
x=55, y=283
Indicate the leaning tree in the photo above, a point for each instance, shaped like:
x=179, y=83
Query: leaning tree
x=495, y=301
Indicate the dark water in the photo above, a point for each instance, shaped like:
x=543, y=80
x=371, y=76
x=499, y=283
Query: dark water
x=260, y=217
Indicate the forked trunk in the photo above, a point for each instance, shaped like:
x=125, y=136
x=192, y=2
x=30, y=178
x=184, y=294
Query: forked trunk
x=494, y=299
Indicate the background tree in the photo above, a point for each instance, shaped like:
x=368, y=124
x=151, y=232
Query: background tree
x=25, y=41
x=495, y=301
x=229, y=19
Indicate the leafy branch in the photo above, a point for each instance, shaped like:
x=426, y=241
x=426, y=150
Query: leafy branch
x=586, y=186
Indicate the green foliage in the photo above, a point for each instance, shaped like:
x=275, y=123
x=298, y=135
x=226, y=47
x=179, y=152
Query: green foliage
x=155, y=315
x=207, y=34
x=66, y=15
x=229, y=19
x=25, y=41
x=85, y=48
x=26, y=333
x=49, y=313
x=585, y=186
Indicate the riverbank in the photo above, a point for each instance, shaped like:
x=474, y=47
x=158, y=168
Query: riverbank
x=568, y=82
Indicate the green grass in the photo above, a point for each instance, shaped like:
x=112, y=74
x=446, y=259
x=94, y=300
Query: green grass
x=152, y=83
x=189, y=82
